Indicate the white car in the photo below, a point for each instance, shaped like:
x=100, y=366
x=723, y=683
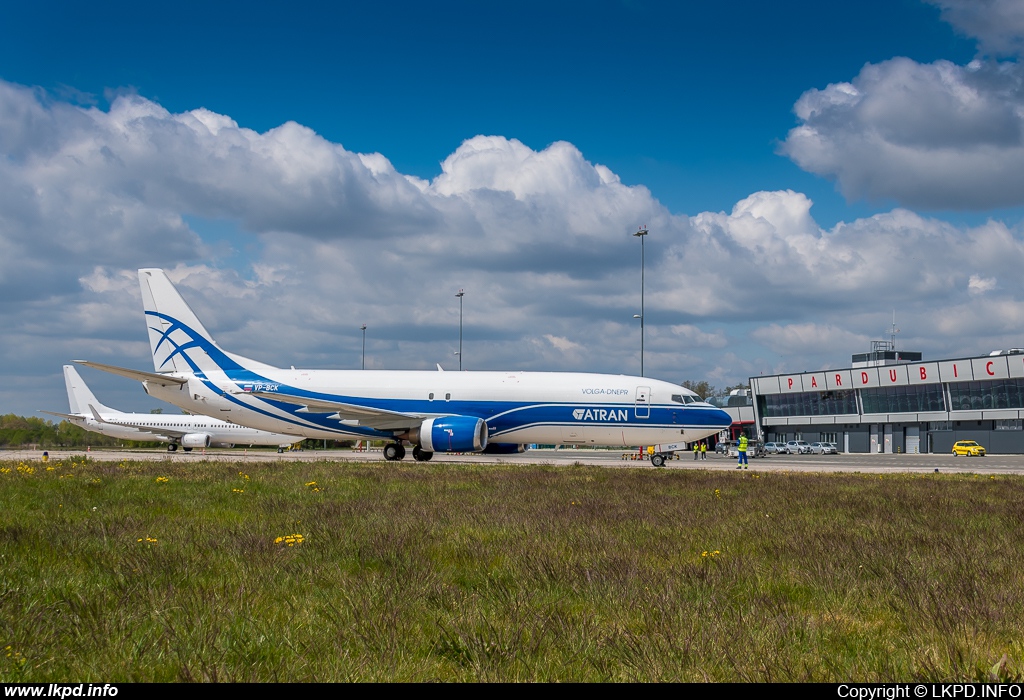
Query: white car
x=798, y=447
x=823, y=448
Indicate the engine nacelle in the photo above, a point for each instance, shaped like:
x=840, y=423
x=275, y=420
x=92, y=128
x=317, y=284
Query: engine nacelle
x=453, y=434
x=195, y=440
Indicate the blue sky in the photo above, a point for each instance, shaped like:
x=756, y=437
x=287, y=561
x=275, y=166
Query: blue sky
x=688, y=99
x=682, y=116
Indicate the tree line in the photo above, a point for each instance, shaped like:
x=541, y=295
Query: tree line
x=19, y=431
x=705, y=390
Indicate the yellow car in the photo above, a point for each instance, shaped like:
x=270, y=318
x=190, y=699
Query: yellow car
x=968, y=448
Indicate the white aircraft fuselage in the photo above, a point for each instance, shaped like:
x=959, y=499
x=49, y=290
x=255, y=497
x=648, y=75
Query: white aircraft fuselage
x=186, y=430
x=434, y=411
x=518, y=407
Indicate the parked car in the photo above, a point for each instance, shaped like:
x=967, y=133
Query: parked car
x=798, y=447
x=823, y=448
x=722, y=447
x=835, y=447
x=754, y=449
x=968, y=448
x=774, y=448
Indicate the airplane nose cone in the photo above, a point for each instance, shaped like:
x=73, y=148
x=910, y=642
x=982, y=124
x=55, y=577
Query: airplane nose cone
x=714, y=417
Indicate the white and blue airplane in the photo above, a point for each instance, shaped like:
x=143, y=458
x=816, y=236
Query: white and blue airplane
x=184, y=430
x=431, y=411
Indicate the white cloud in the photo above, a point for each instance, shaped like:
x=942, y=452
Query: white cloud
x=690, y=336
x=803, y=339
x=326, y=239
x=979, y=285
x=938, y=136
x=997, y=24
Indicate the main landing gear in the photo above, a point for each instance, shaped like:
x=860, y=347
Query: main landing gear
x=172, y=447
x=394, y=451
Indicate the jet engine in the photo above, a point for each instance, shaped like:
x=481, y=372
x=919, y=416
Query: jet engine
x=453, y=434
x=195, y=440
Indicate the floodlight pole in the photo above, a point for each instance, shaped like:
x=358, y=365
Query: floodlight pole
x=641, y=234
x=363, y=329
x=462, y=293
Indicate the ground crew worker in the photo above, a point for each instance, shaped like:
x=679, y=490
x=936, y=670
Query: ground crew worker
x=696, y=451
x=704, y=451
x=742, y=449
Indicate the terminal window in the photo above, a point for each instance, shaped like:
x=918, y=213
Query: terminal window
x=976, y=396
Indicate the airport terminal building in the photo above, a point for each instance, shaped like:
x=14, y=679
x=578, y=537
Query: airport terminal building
x=890, y=401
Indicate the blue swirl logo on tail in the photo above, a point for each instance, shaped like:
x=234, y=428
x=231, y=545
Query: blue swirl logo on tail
x=196, y=340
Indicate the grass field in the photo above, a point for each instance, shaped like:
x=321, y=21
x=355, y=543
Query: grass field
x=150, y=571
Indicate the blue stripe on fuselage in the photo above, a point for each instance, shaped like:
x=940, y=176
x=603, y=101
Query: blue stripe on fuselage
x=501, y=416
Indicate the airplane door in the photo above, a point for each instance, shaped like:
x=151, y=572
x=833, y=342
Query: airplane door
x=642, y=405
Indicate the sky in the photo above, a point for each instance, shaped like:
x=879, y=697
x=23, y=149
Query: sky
x=804, y=170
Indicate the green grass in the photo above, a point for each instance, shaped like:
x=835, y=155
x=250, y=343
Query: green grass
x=419, y=572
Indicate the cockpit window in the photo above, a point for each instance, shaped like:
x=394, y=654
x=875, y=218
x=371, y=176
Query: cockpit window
x=683, y=398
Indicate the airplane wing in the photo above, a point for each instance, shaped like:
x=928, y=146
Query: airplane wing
x=160, y=432
x=363, y=416
x=161, y=379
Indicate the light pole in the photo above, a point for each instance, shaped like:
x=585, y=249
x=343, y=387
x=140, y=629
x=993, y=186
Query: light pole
x=462, y=293
x=363, y=329
x=641, y=234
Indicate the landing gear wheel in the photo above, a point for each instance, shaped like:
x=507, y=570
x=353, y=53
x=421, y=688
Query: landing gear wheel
x=172, y=447
x=658, y=460
x=394, y=451
x=187, y=449
x=421, y=455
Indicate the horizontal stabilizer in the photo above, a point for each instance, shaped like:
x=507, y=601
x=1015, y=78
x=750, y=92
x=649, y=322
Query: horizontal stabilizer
x=69, y=416
x=160, y=379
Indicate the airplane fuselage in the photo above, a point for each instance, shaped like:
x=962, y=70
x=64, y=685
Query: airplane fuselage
x=140, y=427
x=518, y=407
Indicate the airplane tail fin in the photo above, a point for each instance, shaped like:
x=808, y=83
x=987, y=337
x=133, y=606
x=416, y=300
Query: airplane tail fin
x=177, y=338
x=80, y=397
